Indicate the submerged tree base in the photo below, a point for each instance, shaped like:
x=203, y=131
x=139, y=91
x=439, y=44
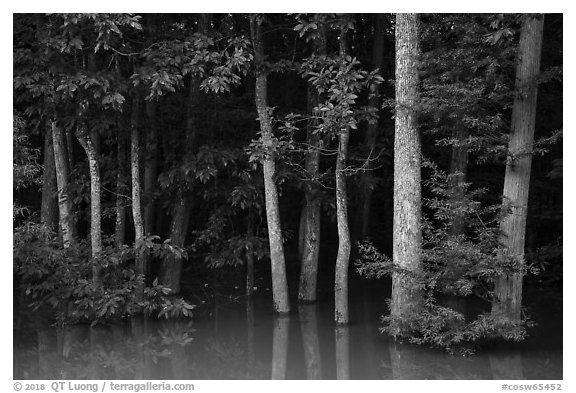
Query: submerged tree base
x=442, y=327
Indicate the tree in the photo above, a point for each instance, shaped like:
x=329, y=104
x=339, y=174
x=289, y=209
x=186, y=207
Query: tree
x=310, y=230
x=279, y=281
x=508, y=289
x=122, y=187
x=407, y=231
x=150, y=168
x=137, y=187
x=49, y=209
x=95, y=189
x=65, y=206
x=343, y=257
x=171, y=269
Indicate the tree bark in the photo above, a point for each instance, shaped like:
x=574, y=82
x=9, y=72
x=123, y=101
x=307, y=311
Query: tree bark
x=121, y=188
x=508, y=289
x=171, y=269
x=279, y=281
x=70, y=150
x=343, y=257
x=367, y=181
x=95, y=197
x=150, y=169
x=136, y=189
x=65, y=205
x=49, y=208
x=310, y=220
x=407, y=227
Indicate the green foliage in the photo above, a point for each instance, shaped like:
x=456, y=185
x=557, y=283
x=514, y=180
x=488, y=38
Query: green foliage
x=443, y=327
x=61, y=279
x=340, y=80
x=219, y=62
x=25, y=169
x=455, y=264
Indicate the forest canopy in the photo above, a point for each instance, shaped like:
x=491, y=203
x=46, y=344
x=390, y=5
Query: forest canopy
x=157, y=157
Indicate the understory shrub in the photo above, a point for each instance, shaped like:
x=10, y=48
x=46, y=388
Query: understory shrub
x=61, y=278
x=461, y=265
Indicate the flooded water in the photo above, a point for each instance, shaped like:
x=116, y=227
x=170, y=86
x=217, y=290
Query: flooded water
x=234, y=339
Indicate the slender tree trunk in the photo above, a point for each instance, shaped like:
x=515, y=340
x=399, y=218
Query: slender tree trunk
x=95, y=197
x=71, y=151
x=508, y=289
x=122, y=188
x=136, y=188
x=457, y=179
x=407, y=228
x=279, y=281
x=171, y=269
x=310, y=221
x=65, y=205
x=367, y=180
x=150, y=170
x=302, y=231
x=49, y=209
x=343, y=257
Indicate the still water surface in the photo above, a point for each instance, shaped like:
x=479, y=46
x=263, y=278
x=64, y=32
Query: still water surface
x=233, y=339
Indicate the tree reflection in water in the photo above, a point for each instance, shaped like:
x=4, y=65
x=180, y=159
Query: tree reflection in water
x=246, y=341
x=342, y=338
x=280, y=341
x=308, y=316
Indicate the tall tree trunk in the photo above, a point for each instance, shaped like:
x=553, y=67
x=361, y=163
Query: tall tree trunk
x=457, y=179
x=65, y=205
x=95, y=197
x=279, y=281
x=171, y=269
x=367, y=180
x=407, y=227
x=310, y=228
x=150, y=169
x=71, y=151
x=49, y=208
x=136, y=188
x=343, y=257
x=121, y=187
x=508, y=289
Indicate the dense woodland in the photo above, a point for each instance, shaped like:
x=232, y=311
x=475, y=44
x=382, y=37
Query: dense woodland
x=161, y=157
